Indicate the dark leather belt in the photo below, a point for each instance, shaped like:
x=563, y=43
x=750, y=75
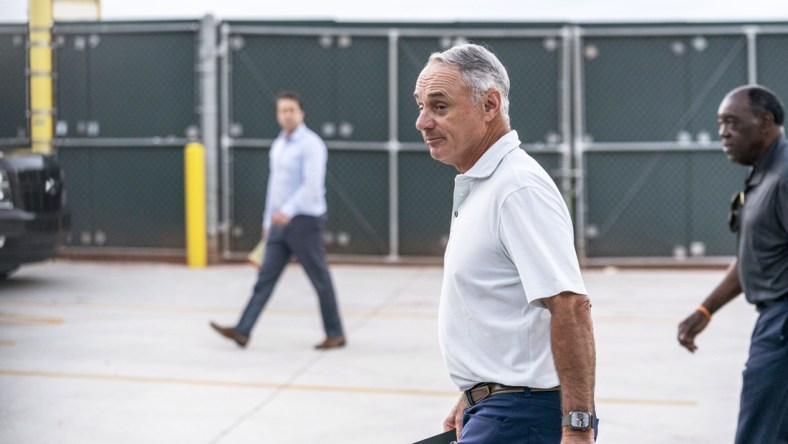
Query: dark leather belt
x=764, y=304
x=480, y=392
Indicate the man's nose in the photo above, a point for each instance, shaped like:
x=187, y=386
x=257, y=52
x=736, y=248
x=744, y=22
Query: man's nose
x=424, y=121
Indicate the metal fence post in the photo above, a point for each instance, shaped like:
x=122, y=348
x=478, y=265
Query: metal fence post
x=209, y=123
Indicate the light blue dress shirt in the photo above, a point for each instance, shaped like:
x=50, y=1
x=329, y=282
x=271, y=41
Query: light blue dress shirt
x=297, y=177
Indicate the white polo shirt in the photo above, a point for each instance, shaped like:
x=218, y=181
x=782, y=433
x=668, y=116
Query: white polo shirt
x=511, y=244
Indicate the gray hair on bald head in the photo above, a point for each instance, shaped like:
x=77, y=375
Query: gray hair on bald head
x=481, y=70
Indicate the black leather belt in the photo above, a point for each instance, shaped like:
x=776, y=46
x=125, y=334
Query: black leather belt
x=480, y=392
x=763, y=304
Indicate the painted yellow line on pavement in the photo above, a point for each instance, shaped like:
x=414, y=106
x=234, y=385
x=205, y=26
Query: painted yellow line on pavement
x=303, y=388
x=636, y=319
x=225, y=384
x=384, y=313
x=177, y=309
x=652, y=402
x=17, y=318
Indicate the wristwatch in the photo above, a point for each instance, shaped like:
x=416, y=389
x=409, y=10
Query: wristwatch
x=578, y=420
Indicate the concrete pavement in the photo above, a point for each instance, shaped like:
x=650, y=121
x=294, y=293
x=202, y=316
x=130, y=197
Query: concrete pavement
x=96, y=352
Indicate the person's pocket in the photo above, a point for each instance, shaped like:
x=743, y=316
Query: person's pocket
x=544, y=436
x=480, y=429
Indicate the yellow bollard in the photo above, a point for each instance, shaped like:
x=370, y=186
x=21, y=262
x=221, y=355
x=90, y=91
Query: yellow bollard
x=196, y=234
x=41, y=121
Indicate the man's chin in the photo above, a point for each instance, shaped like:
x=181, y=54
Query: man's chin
x=436, y=154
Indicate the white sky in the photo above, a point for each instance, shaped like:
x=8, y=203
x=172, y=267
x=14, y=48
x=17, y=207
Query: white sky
x=435, y=10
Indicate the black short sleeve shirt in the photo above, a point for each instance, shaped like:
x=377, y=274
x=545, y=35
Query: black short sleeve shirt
x=763, y=233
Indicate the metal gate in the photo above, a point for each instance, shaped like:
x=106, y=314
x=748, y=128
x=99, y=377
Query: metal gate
x=654, y=182
x=386, y=196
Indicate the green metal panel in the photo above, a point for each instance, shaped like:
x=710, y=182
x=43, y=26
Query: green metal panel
x=358, y=202
x=356, y=195
x=648, y=203
x=533, y=65
x=71, y=61
x=362, y=99
x=658, y=88
x=77, y=164
x=143, y=85
x=249, y=184
x=636, y=203
x=341, y=80
x=712, y=181
x=412, y=55
x=773, y=63
x=13, y=85
x=425, y=198
x=125, y=197
x=717, y=64
x=262, y=66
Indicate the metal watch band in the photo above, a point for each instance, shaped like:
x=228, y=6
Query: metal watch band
x=578, y=420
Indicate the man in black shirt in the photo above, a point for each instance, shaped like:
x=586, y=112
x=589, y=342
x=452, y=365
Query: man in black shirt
x=751, y=128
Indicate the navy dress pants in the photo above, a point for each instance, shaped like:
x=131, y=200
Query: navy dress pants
x=515, y=418
x=763, y=410
x=302, y=238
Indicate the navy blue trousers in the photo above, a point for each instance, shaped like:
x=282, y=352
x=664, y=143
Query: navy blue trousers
x=763, y=410
x=302, y=238
x=515, y=418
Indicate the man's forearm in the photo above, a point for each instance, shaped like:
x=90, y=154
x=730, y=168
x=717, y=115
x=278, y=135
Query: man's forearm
x=574, y=352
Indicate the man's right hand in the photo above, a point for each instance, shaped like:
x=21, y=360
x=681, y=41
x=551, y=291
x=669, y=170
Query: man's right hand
x=454, y=420
x=691, y=327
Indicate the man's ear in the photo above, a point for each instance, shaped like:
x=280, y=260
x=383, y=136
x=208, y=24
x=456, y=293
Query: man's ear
x=492, y=104
x=767, y=120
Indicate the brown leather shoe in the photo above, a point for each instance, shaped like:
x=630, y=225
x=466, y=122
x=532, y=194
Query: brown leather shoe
x=231, y=333
x=331, y=342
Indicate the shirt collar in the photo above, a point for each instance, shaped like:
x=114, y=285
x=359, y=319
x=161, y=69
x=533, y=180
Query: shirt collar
x=758, y=172
x=486, y=165
x=295, y=135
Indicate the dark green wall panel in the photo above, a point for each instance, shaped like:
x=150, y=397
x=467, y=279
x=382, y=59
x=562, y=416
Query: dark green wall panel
x=342, y=81
x=533, y=65
x=125, y=197
x=773, y=64
x=143, y=85
x=356, y=195
x=426, y=188
x=358, y=202
x=656, y=88
x=13, y=86
x=72, y=65
x=648, y=203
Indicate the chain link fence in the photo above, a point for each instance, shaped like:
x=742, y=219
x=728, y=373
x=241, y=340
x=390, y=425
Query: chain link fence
x=386, y=195
x=623, y=118
x=654, y=180
x=126, y=104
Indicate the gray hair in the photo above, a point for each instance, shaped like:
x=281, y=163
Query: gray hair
x=481, y=70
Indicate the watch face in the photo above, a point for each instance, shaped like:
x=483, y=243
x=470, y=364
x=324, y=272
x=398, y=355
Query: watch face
x=580, y=420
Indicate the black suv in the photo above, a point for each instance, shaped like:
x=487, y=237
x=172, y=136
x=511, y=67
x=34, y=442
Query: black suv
x=32, y=209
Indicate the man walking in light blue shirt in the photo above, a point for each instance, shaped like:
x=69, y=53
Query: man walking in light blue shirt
x=293, y=223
